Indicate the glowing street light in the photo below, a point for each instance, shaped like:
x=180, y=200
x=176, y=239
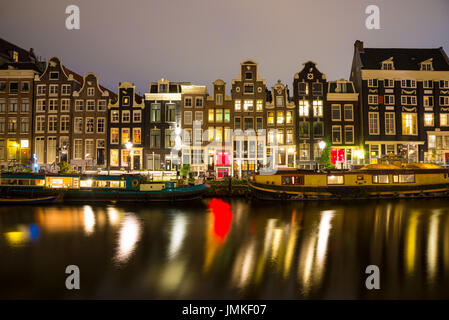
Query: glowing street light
x=322, y=145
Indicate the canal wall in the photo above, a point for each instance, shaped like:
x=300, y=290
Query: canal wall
x=228, y=188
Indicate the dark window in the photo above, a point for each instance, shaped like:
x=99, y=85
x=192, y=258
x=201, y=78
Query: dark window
x=259, y=123
x=248, y=75
x=238, y=124
x=317, y=89
x=170, y=114
x=302, y=88
x=13, y=87
x=317, y=128
x=304, y=128
x=54, y=75
x=249, y=88
x=163, y=88
x=25, y=86
x=155, y=138
x=2, y=86
x=249, y=123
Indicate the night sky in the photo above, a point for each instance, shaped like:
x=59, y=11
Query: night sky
x=202, y=40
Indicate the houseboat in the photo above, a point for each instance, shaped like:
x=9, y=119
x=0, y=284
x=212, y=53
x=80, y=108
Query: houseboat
x=372, y=181
x=95, y=188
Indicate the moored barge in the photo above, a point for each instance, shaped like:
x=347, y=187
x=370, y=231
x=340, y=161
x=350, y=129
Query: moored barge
x=95, y=188
x=372, y=181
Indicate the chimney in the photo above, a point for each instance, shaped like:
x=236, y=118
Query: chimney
x=359, y=45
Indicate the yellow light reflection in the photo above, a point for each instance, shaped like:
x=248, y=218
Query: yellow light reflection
x=312, y=259
x=432, y=247
x=113, y=216
x=129, y=235
x=177, y=235
x=244, y=266
x=16, y=238
x=410, y=243
x=89, y=220
x=291, y=245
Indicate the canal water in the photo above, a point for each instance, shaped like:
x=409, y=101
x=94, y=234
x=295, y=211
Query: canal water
x=227, y=249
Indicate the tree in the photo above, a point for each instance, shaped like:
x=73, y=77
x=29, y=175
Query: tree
x=325, y=159
x=64, y=167
x=185, y=170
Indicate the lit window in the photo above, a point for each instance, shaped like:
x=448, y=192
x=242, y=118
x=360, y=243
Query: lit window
x=248, y=105
x=335, y=179
x=428, y=119
x=409, y=124
x=270, y=118
x=211, y=115
x=280, y=117
x=318, y=108
x=238, y=105
x=303, y=108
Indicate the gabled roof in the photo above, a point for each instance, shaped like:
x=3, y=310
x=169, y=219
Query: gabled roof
x=80, y=79
x=7, y=47
x=403, y=59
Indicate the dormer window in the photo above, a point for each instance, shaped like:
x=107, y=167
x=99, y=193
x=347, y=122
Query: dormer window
x=426, y=66
x=388, y=64
x=163, y=88
x=15, y=56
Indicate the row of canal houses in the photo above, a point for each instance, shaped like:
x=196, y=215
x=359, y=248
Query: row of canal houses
x=395, y=103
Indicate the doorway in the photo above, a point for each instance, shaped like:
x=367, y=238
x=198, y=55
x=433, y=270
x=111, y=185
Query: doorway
x=136, y=162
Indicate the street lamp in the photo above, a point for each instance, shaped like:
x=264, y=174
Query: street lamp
x=128, y=146
x=321, y=145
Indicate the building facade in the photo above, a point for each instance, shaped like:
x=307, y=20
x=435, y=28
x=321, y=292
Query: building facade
x=18, y=68
x=309, y=93
x=194, y=125
x=52, y=108
x=220, y=127
x=126, y=126
x=249, y=95
x=90, y=124
x=404, y=99
x=341, y=124
x=163, y=110
x=281, y=133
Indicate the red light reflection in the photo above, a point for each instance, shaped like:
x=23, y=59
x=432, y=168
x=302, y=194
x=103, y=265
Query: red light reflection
x=222, y=217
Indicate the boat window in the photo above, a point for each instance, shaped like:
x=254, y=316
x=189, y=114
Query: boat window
x=290, y=180
x=404, y=178
x=59, y=182
x=381, y=178
x=22, y=182
x=118, y=184
x=333, y=179
x=86, y=183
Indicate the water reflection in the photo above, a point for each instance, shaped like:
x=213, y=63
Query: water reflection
x=89, y=220
x=128, y=237
x=234, y=249
x=177, y=235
